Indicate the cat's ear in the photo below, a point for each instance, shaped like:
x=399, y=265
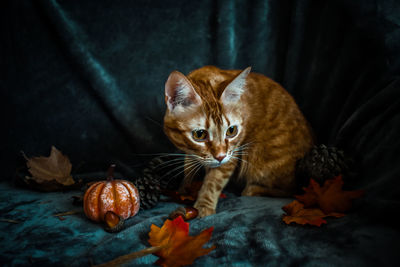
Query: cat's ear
x=235, y=88
x=179, y=93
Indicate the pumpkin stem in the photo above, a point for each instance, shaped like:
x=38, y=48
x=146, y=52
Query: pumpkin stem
x=110, y=172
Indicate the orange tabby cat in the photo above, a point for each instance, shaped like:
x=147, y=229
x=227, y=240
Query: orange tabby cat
x=235, y=122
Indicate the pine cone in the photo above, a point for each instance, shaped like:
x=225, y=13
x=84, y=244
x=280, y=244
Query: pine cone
x=157, y=176
x=321, y=163
x=149, y=191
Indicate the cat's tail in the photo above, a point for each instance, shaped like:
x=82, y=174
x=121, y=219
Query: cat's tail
x=322, y=163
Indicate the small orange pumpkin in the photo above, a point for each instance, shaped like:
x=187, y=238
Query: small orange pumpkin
x=118, y=196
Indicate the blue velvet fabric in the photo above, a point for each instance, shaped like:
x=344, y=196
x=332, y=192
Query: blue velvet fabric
x=248, y=231
x=88, y=77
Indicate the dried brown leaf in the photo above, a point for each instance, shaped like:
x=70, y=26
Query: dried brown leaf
x=313, y=216
x=330, y=197
x=56, y=167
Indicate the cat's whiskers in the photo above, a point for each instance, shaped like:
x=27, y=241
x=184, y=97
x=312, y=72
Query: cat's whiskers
x=173, y=159
x=174, y=162
x=183, y=160
x=177, y=162
x=242, y=160
x=167, y=155
x=239, y=153
x=188, y=164
x=193, y=170
x=171, y=172
x=243, y=147
x=179, y=158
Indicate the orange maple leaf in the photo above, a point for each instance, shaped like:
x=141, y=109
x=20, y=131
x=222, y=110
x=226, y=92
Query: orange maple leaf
x=330, y=197
x=298, y=214
x=178, y=248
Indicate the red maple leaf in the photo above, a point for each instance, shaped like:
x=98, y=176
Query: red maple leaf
x=178, y=248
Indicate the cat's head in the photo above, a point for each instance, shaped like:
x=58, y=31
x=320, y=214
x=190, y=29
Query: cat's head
x=205, y=119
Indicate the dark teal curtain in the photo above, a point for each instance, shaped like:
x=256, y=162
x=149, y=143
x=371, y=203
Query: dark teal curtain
x=88, y=76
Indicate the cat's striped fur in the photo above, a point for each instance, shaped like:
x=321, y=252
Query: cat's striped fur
x=269, y=131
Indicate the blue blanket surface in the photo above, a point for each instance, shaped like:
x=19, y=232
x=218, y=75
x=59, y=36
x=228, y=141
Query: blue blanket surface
x=248, y=231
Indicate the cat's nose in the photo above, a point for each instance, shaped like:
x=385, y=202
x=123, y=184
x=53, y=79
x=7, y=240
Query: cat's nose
x=220, y=157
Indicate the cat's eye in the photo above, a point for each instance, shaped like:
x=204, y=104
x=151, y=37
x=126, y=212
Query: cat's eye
x=232, y=131
x=200, y=135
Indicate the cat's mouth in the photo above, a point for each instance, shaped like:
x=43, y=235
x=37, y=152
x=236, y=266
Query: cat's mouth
x=213, y=163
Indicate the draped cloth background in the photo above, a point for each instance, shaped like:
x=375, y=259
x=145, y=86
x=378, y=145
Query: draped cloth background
x=88, y=77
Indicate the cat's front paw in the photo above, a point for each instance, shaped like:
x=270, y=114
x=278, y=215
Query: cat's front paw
x=204, y=211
